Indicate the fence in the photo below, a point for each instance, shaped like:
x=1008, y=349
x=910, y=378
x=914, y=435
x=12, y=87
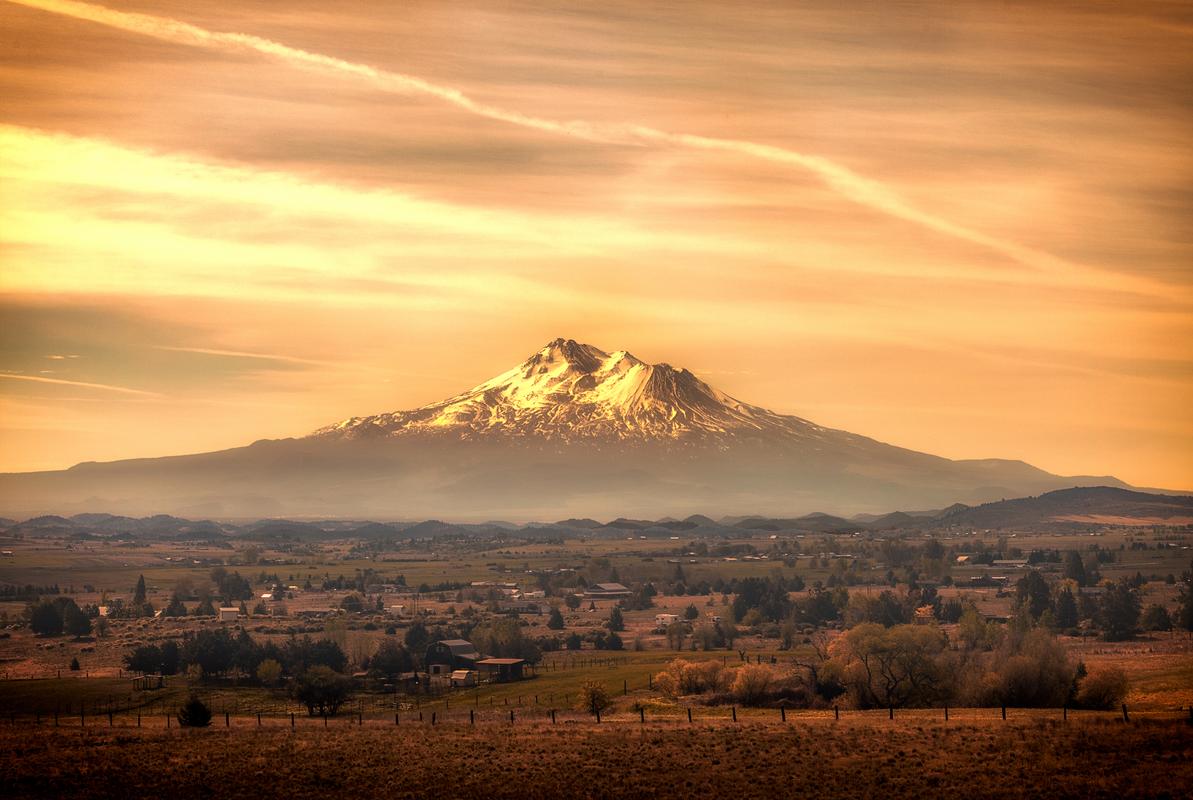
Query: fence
x=162, y=714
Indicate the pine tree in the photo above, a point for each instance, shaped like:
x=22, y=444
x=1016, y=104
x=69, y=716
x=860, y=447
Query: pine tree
x=555, y=621
x=1066, y=609
x=139, y=592
x=195, y=714
x=616, y=623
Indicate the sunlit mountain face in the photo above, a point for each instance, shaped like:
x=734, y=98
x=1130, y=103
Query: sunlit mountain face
x=569, y=391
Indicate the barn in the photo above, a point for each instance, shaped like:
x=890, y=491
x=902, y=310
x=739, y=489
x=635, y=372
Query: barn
x=449, y=655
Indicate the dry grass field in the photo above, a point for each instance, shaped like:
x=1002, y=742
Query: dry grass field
x=864, y=757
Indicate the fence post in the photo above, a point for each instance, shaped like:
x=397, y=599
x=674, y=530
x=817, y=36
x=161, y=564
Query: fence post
x=395, y=718
x=511, y=715
x=782, y=714
x=689, y=713
x=227, y=720
x=836, y=712
x=552, y=716
x=641, y=715
x=258, y=719
x=649, y=681
x=598, y=716
x=1065, y=713
x=291, y=719
x=1004, y=712
x=946, y=712
x=138, y=720
x=325, y=719
x=1125, y=717
x=472, y=716
x=110, y=716
x=734, y=710
x=625, y=687
x=167, y=721
x=891, y=712
x=433, y=714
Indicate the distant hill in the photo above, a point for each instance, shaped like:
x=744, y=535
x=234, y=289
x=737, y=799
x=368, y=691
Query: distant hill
x=1095, y=505
x=1065, y=509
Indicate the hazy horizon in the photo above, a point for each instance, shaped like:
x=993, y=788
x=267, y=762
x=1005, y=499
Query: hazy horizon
x=957, y=228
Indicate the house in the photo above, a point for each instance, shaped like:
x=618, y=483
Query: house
x=610, y=591
x=501, y=669
x=663, y=620
x=925, y=615
x=229, y=613
x=449, y=655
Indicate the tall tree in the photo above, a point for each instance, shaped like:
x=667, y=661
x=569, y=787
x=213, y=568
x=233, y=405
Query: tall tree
x=139, y=592
x=1074, y=567
x=1032, y=594
x=1066, y=609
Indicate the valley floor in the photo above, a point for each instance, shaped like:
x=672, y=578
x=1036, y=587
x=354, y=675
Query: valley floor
x=866, y=756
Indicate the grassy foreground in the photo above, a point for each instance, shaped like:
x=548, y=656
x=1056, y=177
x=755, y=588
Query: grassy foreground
x=860, y=759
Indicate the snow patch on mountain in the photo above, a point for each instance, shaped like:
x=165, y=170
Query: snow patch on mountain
x=569, y=391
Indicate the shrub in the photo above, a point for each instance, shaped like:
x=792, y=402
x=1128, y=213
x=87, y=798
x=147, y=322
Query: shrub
x=751, y=683
x=195, y=714
x=1103, y=688
x=269, y=672
x=74, y=665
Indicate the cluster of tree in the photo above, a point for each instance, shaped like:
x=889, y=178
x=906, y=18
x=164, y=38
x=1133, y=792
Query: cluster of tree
x=1117, y=611
x=217, y=653
x=716, y=684
x=58, y=616
x=913, y=665
x=231, y=586
x=11, y=591
x=873, y=666
x=504, y=638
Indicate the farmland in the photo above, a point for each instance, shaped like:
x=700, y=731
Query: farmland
x=863, y=757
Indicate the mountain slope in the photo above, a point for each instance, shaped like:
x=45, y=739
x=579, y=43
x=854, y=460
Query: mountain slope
x=572, y=431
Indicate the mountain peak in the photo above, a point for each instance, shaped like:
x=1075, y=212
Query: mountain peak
x=570, y=391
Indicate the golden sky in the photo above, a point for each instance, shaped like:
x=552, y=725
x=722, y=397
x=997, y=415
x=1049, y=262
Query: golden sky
x=958, y=227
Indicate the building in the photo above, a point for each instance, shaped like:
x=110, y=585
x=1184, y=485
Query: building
x=925, y=615
x=663, y=620
x=607, y=591
x=229, y=613
x=501, y=669
x=463, y=677
x=449, y=655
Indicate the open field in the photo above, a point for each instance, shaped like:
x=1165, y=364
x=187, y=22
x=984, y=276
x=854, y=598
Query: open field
x=865, y=757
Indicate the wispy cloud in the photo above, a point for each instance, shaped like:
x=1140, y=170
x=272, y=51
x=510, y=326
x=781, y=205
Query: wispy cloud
x=83, y=384
x=209, y=351
x=847, y=183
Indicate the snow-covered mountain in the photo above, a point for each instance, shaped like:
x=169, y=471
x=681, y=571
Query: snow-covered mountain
x=572, y=431
x=570, y=392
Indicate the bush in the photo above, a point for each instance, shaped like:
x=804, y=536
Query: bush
x=594, y=697
x=74, y=665
x=269, y=672
x=751, y=683
x=195, y=714
x=1104, y=688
